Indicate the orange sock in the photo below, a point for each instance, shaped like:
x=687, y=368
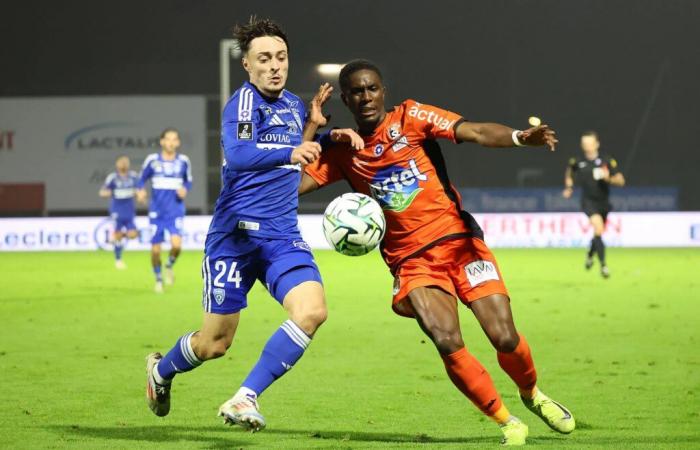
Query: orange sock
x=520, y=368
x=473, y=380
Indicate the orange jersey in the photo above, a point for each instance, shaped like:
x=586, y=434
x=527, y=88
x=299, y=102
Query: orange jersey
x=402, y=168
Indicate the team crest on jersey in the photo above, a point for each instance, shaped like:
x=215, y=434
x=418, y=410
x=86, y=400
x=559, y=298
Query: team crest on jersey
x=266, y=109
x=396, y=187
x=401, y=143
x=219, y=295
x=394, y=131
x=245, y=131
x=378, y=149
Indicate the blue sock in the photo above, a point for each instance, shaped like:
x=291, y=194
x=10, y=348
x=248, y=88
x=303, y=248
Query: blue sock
x=171, y=261
x=283, y=349
x=118, y=247
x=180, y=358
x=156, y=271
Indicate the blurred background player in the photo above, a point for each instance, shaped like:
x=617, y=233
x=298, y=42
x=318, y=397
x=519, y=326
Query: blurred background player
x=595, y=173
x=170, y=174
x=253, y=234
x=434, y=249
x=120, y=186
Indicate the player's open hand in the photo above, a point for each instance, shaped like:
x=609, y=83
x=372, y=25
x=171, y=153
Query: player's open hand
x=348, y=135
x=182, y=193
x=538, y=136
x=316, y=106
x=306, y=153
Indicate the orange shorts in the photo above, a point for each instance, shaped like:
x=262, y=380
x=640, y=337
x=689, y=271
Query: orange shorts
x=464, y=268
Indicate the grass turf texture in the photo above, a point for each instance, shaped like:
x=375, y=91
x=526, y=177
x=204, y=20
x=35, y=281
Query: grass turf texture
x=621, y=354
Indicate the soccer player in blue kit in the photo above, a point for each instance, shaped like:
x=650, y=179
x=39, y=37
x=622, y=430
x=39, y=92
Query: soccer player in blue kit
x=120, y=187
x=253, y=234
x=171, y=179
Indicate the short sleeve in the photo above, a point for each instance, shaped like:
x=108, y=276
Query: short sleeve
x=326, y=170
x=431, y=122
x=109, y=182
x=572, y=164
x=613, y=166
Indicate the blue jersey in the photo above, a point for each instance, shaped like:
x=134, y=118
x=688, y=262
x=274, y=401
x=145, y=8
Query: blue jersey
x=259, y=192
x=167, y=176
x=123, y=188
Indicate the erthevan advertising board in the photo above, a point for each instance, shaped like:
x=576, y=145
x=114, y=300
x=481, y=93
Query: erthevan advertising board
x=537, y=230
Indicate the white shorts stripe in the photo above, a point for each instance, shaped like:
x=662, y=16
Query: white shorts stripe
x=207, y=285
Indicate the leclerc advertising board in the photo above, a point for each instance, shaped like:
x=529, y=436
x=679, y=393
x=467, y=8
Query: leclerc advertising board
x=678, y=229
x=70, y=143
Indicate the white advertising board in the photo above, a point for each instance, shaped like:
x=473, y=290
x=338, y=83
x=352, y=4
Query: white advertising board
x=70, y=143
x=502, y=230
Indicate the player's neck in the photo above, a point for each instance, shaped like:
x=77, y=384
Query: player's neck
x=269, y=96
x=368, y=128
x=168, y=156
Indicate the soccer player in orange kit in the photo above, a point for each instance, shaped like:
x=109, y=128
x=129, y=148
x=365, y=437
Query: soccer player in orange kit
x=435, y=251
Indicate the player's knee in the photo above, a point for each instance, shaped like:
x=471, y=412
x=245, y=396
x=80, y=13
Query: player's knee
x=311, y=318
x=506, y=342
x=447, y=342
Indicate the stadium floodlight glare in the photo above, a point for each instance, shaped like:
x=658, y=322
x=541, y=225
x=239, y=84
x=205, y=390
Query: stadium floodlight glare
x=329, y=70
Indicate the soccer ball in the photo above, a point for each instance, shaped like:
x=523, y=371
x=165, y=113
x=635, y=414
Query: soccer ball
x=354, y=224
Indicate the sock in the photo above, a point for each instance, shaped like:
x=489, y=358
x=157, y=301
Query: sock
x=600, y=249
x=283, y=349
x=180, y=358
x=118, y=248
x=592, y=248
x=156, y=271
x=171, y=261
x=520, y=368
x=472, y=379
x=501, y=416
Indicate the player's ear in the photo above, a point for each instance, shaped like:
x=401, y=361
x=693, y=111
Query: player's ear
x=246, y=65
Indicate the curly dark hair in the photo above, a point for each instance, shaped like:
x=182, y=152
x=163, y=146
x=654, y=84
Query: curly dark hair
x=256, y=28
x=355, y=66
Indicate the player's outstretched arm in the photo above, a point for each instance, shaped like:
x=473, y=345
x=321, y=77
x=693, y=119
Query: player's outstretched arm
x=105, y=193
x=497, y=135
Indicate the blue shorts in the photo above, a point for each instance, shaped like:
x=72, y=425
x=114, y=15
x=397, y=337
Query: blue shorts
x=233, y=262
x=123, y=223
x=172, y=225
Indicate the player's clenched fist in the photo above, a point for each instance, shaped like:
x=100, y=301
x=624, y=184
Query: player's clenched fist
x=306, y=153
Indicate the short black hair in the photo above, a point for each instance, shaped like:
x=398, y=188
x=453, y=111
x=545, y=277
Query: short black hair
x=256, y=28
x=169, y=130
x=355, y=66
x=590, y=133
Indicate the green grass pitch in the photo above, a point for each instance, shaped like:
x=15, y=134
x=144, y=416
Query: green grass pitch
x=622, y=354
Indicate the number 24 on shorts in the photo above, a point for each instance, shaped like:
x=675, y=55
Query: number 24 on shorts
x=232, y=275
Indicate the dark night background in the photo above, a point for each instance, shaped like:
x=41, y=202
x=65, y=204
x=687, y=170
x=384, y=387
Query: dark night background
x=630, y=70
